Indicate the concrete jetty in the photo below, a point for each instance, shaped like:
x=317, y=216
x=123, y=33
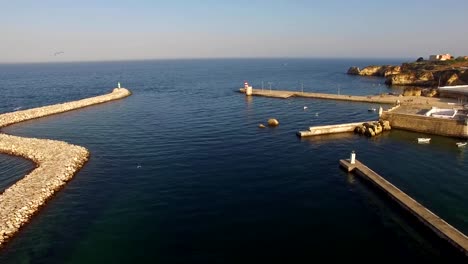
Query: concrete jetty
x=406, y=117
x=384, y=99
x=375, y=99
x=56, y=163
x=329, y=129
x=428, y=218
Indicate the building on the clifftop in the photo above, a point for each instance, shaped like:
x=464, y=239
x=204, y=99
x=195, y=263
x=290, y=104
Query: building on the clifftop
x=440, y=57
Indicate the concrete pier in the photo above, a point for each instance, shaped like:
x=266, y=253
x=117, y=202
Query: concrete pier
x=56, y=161
x=428, y=218
x=329, y=129
x=387, y=99
x=375, y=99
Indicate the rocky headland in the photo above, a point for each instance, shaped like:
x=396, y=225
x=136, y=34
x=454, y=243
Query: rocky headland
x=419, y=73
x=56, y=163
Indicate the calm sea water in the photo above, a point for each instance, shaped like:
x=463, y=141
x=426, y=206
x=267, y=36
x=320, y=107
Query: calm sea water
x=181, y=173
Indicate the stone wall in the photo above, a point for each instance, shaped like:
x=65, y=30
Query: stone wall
x=56, y=161
x=425, y=124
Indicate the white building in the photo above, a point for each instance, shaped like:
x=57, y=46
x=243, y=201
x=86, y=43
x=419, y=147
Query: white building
x=440, y=57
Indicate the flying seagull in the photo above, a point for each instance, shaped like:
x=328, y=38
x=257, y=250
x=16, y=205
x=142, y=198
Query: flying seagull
x=58, y=53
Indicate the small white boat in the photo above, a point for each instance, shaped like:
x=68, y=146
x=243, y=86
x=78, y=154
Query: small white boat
x=461, y=144
x=372, y=109
x=424, y=140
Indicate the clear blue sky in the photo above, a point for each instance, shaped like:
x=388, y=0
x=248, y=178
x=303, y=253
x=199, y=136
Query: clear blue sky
x=119, y=30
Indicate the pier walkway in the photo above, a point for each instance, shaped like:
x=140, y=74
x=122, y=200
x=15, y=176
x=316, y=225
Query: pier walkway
x=428, y=218
x=330, y=129
x=416, y=101
x=384, y=99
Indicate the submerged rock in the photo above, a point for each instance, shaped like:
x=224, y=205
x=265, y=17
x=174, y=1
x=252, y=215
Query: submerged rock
x=261, y=126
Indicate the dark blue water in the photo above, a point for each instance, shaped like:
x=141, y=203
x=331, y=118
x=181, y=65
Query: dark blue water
x=180, y=172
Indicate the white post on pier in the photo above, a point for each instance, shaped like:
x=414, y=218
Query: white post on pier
x=380, y=111
x=118, y=85
x=352, y=160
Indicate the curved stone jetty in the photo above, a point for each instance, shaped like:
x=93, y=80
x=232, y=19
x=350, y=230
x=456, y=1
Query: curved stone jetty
x=56, y=161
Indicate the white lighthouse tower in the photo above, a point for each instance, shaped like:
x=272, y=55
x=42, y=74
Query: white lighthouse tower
x=248, y=88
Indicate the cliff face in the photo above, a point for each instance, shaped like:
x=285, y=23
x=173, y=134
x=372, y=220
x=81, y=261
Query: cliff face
x=374, y=70
x=427, y=73
x=429, y=78
x=411, y=78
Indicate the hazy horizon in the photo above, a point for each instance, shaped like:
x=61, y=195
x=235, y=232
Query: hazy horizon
x=67, y=31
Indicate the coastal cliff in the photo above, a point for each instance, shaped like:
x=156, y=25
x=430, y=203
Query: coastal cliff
x=420, y=73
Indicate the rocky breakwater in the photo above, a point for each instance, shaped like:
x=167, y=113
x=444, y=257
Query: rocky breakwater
x=371, y=129
x=56, y=163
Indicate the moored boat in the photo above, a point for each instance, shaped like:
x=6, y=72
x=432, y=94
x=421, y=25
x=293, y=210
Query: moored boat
x=424, y=140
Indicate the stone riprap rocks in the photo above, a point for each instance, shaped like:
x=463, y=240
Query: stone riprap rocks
x=19, y=116
x=56, y=161
x=371, y=129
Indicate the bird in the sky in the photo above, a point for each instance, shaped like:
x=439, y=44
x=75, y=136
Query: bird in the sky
x=58, y=53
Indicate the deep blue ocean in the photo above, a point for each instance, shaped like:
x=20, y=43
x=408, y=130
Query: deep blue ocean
x=180, y=172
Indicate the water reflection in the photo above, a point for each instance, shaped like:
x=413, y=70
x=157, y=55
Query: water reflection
x=249, y=100
x=350, y=178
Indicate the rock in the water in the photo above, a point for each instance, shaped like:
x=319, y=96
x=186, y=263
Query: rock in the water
x=273, y=122
x=261, y=126
x=354, y=70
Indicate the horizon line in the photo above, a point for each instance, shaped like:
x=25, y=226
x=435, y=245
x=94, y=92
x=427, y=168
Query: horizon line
x=197, y=58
